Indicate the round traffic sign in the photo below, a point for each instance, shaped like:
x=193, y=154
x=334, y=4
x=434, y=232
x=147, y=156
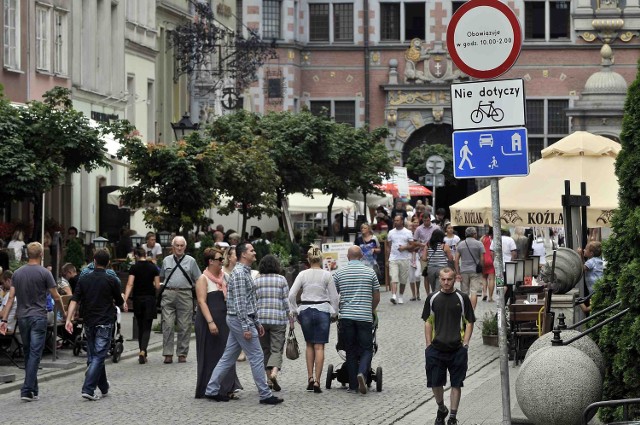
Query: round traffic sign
x=484, y=38
x=435, y=164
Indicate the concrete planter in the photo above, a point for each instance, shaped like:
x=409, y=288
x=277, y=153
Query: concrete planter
x=491, y=340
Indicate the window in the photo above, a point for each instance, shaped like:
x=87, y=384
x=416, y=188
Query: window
x=455, y=5
x=274, y=88
x=12, y=34
x=390, y=21
x=547, y=20
x=547, y=122
x=412, y=25
x=43, y=45
x=322, y=27
x=271, y=19
x=319, y=22
x=239, y=26
x=342, y=111
x=343, y=22
x=60, y=41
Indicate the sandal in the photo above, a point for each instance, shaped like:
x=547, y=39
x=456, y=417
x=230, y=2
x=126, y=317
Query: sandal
x=310, y=385
x=274, y=382
x=316, y=388
x=233, y=396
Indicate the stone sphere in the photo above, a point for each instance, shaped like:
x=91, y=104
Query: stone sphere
x=584, y=344
x=393, y=63
x=556, y=384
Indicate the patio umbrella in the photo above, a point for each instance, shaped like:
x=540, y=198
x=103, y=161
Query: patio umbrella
x=415, y=189
x=536, y=200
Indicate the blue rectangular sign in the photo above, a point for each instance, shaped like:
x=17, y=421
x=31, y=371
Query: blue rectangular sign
x=490, y=153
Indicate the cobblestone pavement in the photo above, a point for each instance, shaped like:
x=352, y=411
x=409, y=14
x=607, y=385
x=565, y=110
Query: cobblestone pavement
x=159, y=393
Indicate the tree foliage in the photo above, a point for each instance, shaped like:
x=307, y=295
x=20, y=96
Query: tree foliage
x=176, y=183
x=418, y=158
x=620, y=340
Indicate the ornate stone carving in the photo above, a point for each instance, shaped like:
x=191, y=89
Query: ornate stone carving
x=429, y=65
x=438, y=113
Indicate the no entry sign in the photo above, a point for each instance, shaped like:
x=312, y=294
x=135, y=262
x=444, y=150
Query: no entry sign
x=484, y=38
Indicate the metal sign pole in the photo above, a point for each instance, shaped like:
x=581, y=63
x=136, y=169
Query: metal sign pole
x=500, y=290
x=433, y=207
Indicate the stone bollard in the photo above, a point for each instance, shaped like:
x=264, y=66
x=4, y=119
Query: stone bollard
x=556, y=384
x=584, y=344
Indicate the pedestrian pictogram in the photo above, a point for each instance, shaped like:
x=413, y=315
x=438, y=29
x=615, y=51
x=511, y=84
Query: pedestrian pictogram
x=465, y=153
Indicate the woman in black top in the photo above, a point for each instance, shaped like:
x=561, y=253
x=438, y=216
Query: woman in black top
x=144, y=281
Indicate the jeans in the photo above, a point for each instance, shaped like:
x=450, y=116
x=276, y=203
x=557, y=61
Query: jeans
x=236, y=343
x=33, y=331
x=357, y=340
x=98, y=343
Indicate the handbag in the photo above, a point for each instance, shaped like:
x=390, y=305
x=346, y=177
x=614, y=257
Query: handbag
x=425, y=271
x=478, y=266
x=292, y=350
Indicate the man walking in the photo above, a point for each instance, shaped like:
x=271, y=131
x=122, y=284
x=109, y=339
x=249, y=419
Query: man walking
x=180, y=272
x=469, y=261
x=97, y=292
x=359, y=291
x=401, y=242
x=30, y=285
x=244, y=330
x=448, y=325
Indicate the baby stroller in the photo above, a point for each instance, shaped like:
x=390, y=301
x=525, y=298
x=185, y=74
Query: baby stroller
x=340, y=372
x=117, y=341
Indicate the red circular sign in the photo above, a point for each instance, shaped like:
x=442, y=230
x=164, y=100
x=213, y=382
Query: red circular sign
x=484, y=38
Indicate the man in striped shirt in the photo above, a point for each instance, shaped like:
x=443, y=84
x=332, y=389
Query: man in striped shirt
x=359, y=291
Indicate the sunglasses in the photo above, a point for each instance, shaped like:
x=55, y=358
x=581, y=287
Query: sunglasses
x=218, y=259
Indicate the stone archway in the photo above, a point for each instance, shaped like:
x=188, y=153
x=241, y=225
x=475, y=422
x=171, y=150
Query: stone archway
x=430, y=134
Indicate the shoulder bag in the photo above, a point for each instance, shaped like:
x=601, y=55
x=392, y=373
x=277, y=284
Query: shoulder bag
x=478, y=266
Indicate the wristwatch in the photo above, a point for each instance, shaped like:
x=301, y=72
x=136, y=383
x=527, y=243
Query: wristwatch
x=465, y=346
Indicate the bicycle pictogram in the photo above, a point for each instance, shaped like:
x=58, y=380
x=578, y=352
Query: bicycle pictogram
x=487, y=109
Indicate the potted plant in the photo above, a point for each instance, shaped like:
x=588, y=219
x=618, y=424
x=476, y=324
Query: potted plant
x=490, y=329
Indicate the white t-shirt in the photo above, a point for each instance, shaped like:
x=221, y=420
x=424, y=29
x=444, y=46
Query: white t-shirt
x=539, y=250
x=11, y=319
x=156, y=251
x=399, y=238
x=508, y=245
x=16, y=245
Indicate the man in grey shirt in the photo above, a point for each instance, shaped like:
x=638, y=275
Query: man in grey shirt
x=31, y=283
x=469, y=261
x=180, y=273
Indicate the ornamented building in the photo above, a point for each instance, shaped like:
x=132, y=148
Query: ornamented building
x=385, y=62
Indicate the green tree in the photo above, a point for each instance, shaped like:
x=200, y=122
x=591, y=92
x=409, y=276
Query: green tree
x=620, y=339
x=297, y=149
x=41, y=143
x=356, y=160
x=74, y=254
x=418, y=158
x=175, y=183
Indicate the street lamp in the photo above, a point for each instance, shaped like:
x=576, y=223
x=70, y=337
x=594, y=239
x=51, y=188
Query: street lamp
x=88, y=236
x=510, y=272
x=136, y=240
x=163, y=237
x=536, y=264
x=100, y=242
x=184, y=127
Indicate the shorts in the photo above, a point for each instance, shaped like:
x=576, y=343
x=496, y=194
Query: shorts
x=438, y=362
x=471, y=281
x=399, y=271
x=315, y=325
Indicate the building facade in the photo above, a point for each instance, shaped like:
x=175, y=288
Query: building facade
x=385, y=62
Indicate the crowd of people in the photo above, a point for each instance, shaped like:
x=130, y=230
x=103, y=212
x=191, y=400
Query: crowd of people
x=240, y=312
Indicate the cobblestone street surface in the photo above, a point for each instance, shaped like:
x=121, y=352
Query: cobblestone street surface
x=159, y=393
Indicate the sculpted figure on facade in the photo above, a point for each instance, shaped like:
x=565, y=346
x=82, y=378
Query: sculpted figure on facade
x=415, y=55
x=433, y=65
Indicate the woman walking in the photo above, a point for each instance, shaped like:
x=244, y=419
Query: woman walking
x=211, y=326
x=488, y=271
x=144, y=282
x=368, y=243
x=319, y=302
x=272, y=291
x=437, y=255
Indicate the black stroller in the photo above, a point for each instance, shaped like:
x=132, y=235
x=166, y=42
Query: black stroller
x=117, y=341
x=340, y=372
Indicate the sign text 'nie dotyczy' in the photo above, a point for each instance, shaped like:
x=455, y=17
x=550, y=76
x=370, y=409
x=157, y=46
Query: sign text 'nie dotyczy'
x=488, y=104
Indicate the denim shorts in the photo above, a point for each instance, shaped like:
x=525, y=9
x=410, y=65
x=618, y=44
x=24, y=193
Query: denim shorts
x=438, y=362
x=315, y=325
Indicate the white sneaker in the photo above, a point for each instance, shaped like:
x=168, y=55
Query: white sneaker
x=400, y=299
x=393, y=299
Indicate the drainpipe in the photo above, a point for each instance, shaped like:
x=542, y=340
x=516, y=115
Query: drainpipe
x=367, y=112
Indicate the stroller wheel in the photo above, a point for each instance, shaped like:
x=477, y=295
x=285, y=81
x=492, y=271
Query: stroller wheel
x=77, y=345
x=379, y=379
x=329, y=376
x=118, y=348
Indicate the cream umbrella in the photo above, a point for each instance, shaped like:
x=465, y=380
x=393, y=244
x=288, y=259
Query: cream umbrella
x=536, y=200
